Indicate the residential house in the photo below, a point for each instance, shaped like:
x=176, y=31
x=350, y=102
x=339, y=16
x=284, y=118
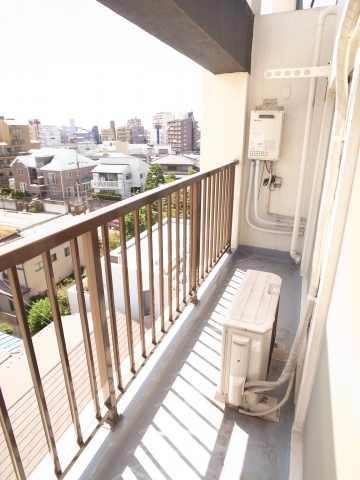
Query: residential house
x=55, y=173
x=119, y=173
x=14, y=138
x=178, y=164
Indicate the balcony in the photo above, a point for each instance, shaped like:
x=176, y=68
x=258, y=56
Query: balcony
x=94, y=362
x=106, y=184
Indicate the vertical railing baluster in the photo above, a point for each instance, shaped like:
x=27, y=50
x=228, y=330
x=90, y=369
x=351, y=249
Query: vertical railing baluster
x=210, y=215
x=214, y=229
x=232, y=186
x=125, y=274
x=98, y=312
x=177, y=248
x=227, y=207
x=84, y=325
x=111, y=303
x=217, y=223
x=204, y=208
x=64, y=357
x=222, y=212
x=169, y=248
x=10, y=440
x=161, y=263
x=184, y=252
x=195, y=221
x=33, y=366
x=151, y=272
x=191, y=238
x=139, y=281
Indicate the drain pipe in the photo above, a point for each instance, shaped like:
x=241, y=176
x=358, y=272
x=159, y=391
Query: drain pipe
x=328, y=196
x=307, y=131
x=247, y=212
x=278, y=223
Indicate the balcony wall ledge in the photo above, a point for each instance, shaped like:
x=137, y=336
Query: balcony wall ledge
x=145, y=386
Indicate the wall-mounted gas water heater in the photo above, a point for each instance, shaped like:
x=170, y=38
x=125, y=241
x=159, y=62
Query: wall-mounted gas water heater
x=248, y=339
x=265, y=134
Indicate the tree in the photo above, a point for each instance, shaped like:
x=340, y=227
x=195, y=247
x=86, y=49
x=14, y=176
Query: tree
x=39, y=315
x=6, y=328
x=155, y=177
x=192, y=171
x=170, y=177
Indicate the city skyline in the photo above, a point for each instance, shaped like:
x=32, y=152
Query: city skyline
x=79, y=60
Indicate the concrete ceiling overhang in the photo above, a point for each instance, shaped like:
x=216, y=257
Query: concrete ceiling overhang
x=216, y=34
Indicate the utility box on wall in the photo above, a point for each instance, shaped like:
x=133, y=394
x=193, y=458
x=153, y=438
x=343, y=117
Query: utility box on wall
x=265, y=134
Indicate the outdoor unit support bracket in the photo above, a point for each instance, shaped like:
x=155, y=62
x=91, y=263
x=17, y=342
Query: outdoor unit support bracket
x=298, y=72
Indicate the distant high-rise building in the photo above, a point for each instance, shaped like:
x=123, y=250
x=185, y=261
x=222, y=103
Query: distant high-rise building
x=112, y=126
x=134, y=121
x=183, y=134
x=14, y=140
x=72, y=128
x=123, y=134
x=160, y=122
x=107, y=134
x=49, y=135
x=95, y=132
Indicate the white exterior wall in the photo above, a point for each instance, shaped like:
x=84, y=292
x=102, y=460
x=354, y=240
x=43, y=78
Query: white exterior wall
x=332, y=429
x=271, y=51
x=62, y=267
x=222, y=128
x=49, y=136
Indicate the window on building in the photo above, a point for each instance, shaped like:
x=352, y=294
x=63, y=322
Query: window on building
x=85, y=170
x=128, y=176
x=52, y=178
x=67, y=251
x=53, y=257
x=68, y=174
x=22, y=186
x=53, y=190
x=11, y=304
x=20, y=171
x=39, y=266
x=70, y=191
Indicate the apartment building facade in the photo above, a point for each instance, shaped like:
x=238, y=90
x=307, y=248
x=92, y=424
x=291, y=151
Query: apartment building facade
x=49, y=135
x=107, y=135
x=14, y=138
x=58, y=174
x=160, y=123
x=183, y=134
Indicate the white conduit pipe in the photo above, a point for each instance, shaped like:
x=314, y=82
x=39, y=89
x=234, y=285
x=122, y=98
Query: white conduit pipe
x=307, y=131
x=279, y=405
x=327, y=200
x=247, y=213
x=256, y=203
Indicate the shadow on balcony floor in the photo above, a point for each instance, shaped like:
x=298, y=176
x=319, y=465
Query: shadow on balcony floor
x=182, y=432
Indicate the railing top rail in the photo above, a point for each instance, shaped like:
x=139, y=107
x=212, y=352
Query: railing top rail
x=24, y=249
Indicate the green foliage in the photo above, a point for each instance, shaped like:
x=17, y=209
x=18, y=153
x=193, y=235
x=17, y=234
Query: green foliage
x=155, y=177
x=34, y=210
x=170, y=177
x=192, y=171
x=107, y=196
x=6, y=190
x=19, y=193
x=39, y=315
x=35, y=298
x=114, y=240
x=63, y=300
x=6, y=328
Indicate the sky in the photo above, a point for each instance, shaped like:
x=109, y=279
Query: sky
x=78, y=59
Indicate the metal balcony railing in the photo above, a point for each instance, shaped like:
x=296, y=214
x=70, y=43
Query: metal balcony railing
x=193, y=218
x=106, y=184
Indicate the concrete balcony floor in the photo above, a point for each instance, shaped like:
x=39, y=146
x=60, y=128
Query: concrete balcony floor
x=177, y=430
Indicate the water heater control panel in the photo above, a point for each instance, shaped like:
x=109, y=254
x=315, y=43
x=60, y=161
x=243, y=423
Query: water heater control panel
x=265, y=134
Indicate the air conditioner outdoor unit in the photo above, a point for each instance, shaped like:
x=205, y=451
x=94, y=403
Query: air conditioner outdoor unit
x=248, y=337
